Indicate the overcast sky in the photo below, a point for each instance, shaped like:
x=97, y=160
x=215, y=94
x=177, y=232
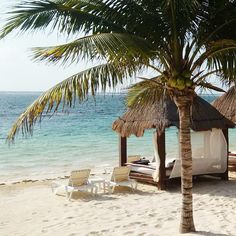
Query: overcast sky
x=17, y=71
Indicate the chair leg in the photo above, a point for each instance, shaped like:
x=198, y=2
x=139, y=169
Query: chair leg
x=135, y=186
x=109, y=190
x=54, y=188
x=132, y=187
x=70, y=195
x=113, y=189
x=67, y=193
x=107, y=187
x=95, y=188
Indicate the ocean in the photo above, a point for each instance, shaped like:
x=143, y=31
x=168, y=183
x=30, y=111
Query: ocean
x=79, y=138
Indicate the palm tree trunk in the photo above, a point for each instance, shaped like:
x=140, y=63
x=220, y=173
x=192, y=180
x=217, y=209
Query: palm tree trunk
x=184, y=104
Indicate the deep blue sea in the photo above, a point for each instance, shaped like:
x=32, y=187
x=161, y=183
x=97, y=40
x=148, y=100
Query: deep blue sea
x=81, y=138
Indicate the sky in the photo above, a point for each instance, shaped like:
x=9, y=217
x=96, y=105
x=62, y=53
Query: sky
x=17, y=71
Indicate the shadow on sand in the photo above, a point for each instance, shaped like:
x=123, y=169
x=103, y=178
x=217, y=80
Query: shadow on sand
x=205, y=233
x=120, y=191
x=201, y=185
x=207, y=185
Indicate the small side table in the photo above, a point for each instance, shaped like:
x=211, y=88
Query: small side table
x=100, y=182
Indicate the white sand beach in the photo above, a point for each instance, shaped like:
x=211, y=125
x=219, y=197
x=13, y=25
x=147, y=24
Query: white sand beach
x=31, y=209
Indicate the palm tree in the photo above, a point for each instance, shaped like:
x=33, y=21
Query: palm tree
x=184, y=42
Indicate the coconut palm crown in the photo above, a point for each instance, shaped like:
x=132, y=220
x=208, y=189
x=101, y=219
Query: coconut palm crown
x=185, y=42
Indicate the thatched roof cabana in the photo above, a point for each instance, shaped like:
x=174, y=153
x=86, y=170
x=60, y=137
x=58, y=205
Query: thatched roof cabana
x=226, y=104
x=161, y=115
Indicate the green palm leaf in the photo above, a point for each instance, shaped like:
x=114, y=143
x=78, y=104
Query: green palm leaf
x=218, y=56
x=66, y=16
x=146, y=92
x=210, y=86
x=99, y=78
x=110, y=46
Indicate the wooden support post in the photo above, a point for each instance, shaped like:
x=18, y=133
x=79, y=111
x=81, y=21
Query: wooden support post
x=122, y=150
x=225, y=175
x=162, y=155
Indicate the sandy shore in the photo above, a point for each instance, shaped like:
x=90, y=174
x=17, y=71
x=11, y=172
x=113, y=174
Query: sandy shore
x=31, y=209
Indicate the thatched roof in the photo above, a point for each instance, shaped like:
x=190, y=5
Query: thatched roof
x=226, y=104
x=161, y=115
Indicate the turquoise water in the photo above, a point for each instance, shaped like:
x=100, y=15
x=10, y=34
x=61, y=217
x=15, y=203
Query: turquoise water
x=82, y=138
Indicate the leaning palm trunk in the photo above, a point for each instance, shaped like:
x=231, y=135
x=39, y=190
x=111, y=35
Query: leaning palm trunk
x=184, y=104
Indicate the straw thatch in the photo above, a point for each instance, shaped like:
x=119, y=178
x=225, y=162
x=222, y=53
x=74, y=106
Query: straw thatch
x=160, y=115
x=226, y=104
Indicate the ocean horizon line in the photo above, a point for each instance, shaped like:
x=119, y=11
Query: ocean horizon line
x=25, y=92
x=90, y=94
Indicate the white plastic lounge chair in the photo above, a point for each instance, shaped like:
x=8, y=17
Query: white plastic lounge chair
x=78, y=181
x=120, y=177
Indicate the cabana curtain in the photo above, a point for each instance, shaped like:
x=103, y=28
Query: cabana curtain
x=209, y=153
x=155, y=174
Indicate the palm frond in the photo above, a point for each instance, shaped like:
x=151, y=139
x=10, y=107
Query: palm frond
x=210, y=86
x=95, y=79
x=110, y=46
x=218, y=21
x=215, y=49
x=145, y=92
x=66, y=16
x=137, y=17
x=226, y=64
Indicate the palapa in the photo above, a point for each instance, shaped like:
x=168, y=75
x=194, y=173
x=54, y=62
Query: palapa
x=161, y=115
x=226, y=104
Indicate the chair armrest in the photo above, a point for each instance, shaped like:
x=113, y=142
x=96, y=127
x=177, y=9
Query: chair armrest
x=110, y=183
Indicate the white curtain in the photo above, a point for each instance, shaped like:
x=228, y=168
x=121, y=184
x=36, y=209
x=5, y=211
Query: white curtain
x=209, y=152
x=155, y=174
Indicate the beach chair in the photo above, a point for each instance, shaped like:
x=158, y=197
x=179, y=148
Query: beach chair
x=78, y=181
x=120, y=177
